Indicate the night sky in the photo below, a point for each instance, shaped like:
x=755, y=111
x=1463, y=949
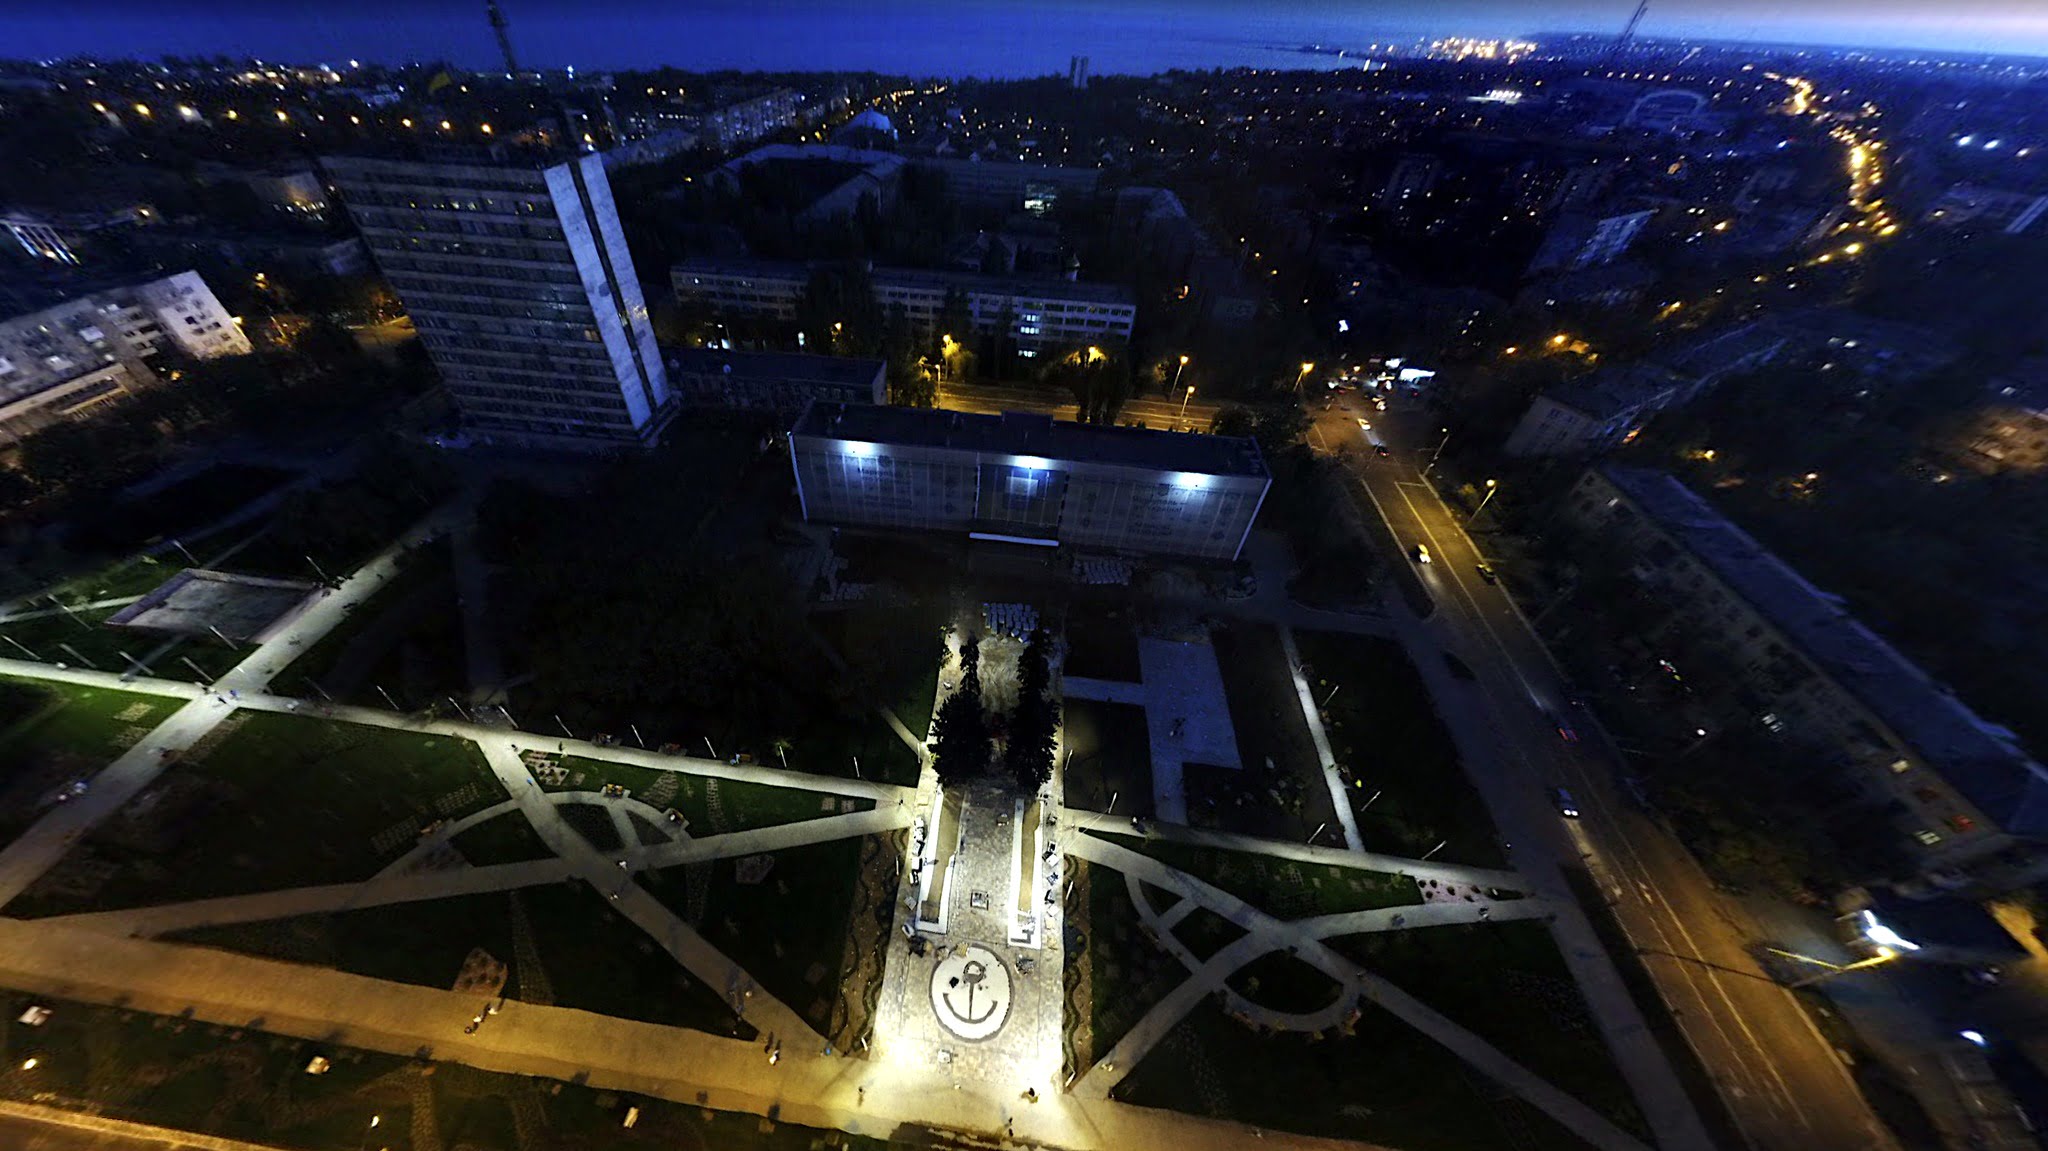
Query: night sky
x=950, y=37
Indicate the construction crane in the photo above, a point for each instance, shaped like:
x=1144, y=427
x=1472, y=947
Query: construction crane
x=503, y=28
x=1614, y=50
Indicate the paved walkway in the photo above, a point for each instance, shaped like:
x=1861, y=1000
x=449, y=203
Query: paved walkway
x=1266, y=934
x=1340, y=799
x=16, y=616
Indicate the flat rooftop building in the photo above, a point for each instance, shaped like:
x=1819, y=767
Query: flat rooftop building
x=771, y=381
x=1028, y=479
x=519, y=281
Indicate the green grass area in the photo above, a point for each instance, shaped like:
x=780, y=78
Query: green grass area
x=136, y=575
x=407, y=640
x=788, y=931
x=170, y=512
x=506, y=838
x=598, y=960
x=266, y=802
x=79, y=639
x=1385, y=1083
x=1285, y=888
x=591, y=958
x=1128, y=972
x=54, y=733
x=240, y=1083
x=1288, y=800
x=1387, y=738
x=712, y=806
x=1284, y=983
x=1204, y=933
x=907, y=685
x=593, y=823
x=1109, y=756
x=1508, y=984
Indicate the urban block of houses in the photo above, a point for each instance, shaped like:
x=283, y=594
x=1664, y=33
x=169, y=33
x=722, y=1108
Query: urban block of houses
x=1966, y=799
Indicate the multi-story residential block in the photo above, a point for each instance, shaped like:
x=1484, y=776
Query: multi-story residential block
x=1607, y=408
x=1041, y=315
x=2010, y=430
x=90, y=350
x=1985, y=209
x=1027, y=479
x=1582, y=240
x=520, y=284
x=745, y=121
x=771, y=381
x=1966, y=799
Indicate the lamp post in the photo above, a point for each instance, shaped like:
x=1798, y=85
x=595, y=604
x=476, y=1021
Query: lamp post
x=1176, y=374
x=1492, y=486
x=1189, y=394
x=1306, y=368
x=1439, y=450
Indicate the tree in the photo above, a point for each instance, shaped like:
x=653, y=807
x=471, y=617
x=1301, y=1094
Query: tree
x=960, y=731
x=837, y=312
x=1034, y=727
x=1099, y=380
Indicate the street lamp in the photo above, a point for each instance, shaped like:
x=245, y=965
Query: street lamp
x=1492, y=486
x=1306, y=368
x=1177, y=371
x=1184, y=401
x=1439, y=450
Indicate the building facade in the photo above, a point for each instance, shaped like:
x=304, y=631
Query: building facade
x=1966, y=801
x=771, y=381
x=1040, y=315
x=62, y=361
x=520, y=284
x=1028, y=479
x=1581, y=240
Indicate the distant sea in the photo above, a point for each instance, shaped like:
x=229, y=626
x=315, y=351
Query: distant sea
x=938, y=38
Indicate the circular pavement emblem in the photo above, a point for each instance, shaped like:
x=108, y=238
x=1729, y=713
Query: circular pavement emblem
x=971, y=993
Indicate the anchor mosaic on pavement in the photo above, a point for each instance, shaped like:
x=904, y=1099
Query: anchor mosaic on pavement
x=971, y=992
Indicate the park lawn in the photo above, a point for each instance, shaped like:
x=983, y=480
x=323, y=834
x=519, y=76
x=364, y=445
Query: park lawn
x=80, y=639
x=416, y=613
x=1291, y=799
x=1284, y=983
x=1386, y=1084
x=1204, y=933
x=1508, y=984
x=1385, y=734
x=422, y=942
x=53, y=733
x=137, y=575
x=598, y=960
x=788, y=931
x=1283, y=888
x=712, y=806
x=268, y=802
x=240, y=1083
x=830, y=744
x=1128, y=971
x=505, y=838
x=1109, y=756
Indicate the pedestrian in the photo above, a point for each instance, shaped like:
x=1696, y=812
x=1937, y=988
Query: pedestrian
x=860, y=1096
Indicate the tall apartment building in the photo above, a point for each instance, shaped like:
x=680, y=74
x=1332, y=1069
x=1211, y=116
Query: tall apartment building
x=1043, y=315
x=64, y=360
x=745, y=121
x=1027, y=479
x=1964, y=797
x=522, y=289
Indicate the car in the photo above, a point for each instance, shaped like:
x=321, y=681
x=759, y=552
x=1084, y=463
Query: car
x=1564, y=730
x=1566, y=805
x=1422, y=553
x=1364, y=425
x=1487, y=573
x=1383, y=450
x=1380, y=402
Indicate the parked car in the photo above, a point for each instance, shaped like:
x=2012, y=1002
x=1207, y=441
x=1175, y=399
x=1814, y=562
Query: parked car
x=1487, y=573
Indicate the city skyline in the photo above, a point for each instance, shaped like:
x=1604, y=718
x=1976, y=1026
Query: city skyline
x=923, y=37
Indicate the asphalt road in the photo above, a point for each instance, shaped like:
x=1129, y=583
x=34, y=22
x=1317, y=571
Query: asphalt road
x=1779, y=1079
x=1152, y=412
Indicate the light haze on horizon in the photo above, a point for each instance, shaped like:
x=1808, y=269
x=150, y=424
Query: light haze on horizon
x=960, y=37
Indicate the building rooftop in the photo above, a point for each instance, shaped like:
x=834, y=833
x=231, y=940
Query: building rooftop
x=1027, y=434
x=938, y=279
x=1980, y=759
x=793, y=366
x=1710, y=353
x=1610, y=392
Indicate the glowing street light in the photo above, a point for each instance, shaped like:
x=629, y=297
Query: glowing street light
x=1306, y=368
x=1176, y=376
x=1492, y=486
x=1184, y=401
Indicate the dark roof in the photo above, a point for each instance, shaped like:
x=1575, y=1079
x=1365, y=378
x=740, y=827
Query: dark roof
x=1981, y=760
x=1609, y=392
x=1710, y=353
x=1028, y=434
x=800, y=271
x=793, y=366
